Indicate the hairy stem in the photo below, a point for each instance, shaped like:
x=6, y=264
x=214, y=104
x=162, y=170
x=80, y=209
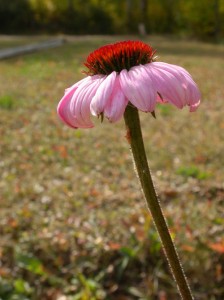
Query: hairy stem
x=134, y=137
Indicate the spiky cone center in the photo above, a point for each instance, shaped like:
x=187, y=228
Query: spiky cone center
x=118, y=56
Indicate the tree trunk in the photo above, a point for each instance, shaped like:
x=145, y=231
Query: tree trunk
x=143, y=21
x=70, y=5
x=217, y=19
x=128, y=14
x=144, y=8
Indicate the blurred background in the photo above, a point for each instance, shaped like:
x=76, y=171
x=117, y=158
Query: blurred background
x=73, y=222
x=202, y=19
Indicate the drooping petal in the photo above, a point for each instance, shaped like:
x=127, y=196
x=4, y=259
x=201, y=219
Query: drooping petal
x=103, y=94
x=167, y=85
x=174, y=84
x=74, y=107
x=81, y=99
x=115, y=107
x=193, y=94
x=138, y=87
x=63, y=109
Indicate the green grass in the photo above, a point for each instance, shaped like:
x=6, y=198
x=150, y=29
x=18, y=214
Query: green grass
x=72, y=218
x=192, y=171
x=6, y=102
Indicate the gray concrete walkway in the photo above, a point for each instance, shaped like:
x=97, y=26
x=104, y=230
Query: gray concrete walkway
x=20, y=50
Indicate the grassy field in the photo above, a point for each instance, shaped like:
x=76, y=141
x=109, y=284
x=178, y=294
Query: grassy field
x=73, y=222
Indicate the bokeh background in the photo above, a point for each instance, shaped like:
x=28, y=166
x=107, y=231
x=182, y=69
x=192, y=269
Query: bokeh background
x=73, y=222
x=202, y=19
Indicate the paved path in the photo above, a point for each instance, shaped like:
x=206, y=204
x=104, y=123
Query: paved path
x=20, y=50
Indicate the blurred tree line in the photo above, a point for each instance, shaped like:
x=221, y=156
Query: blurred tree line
x=202, y=19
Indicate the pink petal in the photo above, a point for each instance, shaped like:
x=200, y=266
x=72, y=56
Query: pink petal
x=74, y=107
x=137, y=86
x=80, y=102
x=115, y=107
x=174, y=84
x=193, y=94
x=103, y=94
x=166, y=85
x=63, y=109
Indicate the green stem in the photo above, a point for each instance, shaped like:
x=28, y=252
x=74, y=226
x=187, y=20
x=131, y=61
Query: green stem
x=134, y=136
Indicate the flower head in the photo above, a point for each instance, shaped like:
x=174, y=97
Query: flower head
x=121, y=73
x=119, y=56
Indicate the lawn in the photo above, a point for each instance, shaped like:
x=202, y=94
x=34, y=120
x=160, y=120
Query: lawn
x=73, y=222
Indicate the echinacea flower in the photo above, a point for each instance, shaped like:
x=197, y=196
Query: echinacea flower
x=123, y=73
x=122, y=79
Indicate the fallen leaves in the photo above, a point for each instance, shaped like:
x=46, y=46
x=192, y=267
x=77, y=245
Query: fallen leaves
x=218, y=247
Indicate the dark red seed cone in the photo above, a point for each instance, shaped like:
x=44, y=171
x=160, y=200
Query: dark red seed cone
x=118, y=56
